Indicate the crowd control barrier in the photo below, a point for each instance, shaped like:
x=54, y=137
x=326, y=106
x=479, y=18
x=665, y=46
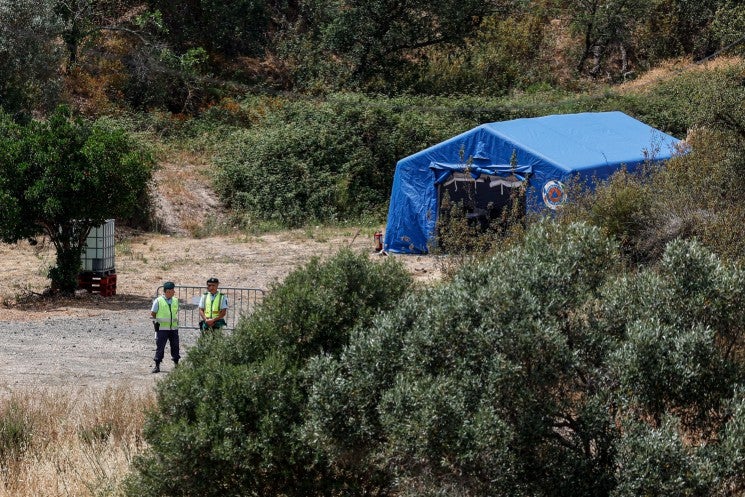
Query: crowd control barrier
x=241, y=302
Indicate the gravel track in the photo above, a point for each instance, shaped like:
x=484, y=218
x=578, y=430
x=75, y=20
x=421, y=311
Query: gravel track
x=92, y=341
x=111, y=349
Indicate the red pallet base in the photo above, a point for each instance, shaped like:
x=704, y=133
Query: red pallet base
x=103, y=285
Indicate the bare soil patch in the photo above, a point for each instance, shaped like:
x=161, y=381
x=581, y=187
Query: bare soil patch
x=94, y=341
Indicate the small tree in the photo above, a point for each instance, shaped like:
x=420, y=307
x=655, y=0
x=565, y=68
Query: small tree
x=61, y=177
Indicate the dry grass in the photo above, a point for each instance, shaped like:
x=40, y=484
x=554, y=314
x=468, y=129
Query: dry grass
x=183, y=194
x=671, y=68
x=70, y=443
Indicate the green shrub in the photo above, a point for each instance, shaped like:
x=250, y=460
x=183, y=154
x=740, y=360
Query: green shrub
x=620, y=207
x=656, y=461
x=670, y=369
x=544, y=371
x=31, y=57
x=457, y=391
x=326, y=161
x=691, y=98
x=228, y=420
x=697, y=195
x=503, y=52
x=729, y=24
x=464, y=241
x=682, y=351
x=729, y=454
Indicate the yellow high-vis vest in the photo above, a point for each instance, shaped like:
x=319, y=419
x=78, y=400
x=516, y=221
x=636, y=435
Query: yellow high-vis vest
x=210, y=309
x=167, y=315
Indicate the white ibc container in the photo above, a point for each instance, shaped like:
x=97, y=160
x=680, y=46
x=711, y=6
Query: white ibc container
x=98, y=253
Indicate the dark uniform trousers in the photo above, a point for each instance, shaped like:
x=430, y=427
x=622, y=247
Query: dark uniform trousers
x=161, y=337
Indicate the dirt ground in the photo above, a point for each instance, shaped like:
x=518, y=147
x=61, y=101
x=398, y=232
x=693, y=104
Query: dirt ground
x=94, y=341
x=145, y=261
x=89, y=340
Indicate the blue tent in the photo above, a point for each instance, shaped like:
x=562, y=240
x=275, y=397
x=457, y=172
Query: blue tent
x=547, y=152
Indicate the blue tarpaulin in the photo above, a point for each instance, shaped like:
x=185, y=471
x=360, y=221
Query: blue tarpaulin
x=547, y=152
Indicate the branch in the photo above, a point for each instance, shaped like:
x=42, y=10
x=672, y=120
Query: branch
x=115, y=28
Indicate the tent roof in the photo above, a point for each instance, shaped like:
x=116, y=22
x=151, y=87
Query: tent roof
x=576, y=142
x=569, y=142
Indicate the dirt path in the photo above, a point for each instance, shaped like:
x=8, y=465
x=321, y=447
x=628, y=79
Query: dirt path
x=104, y=341
x=100, y=341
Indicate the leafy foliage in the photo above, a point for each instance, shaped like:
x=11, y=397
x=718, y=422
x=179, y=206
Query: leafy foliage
x=142, y=54
x=29, y=57
x=504, y=51
x=458, y=391
x=655, y=461
x=329, y=161
x=165, y=78
x=228, y=421
x=729, y=24
x=61, y=177
x=235, y=27
x=528, y=374
x=374, y=40
x=605, y=26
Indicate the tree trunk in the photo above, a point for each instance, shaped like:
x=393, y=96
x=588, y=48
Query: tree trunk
x=597, y=57
x=68, y=239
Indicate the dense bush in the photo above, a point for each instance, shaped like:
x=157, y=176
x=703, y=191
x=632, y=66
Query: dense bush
x=460, y=390
x=29, y=57
x=697, y=195
x=621, y=207
x=503, y=52
x=330, y=160
x=231, y=28
x=544, y=372
x=143, y=54
x=372, y=44
x=694, y=96
x=228, y=420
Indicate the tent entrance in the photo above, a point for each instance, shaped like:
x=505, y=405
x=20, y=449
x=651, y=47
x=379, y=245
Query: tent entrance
x=482, y=201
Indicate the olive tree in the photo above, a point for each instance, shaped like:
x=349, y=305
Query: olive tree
x=62, y=176
x=489, y=385
x=29, y=54
x=545, y=371
x=366, y=40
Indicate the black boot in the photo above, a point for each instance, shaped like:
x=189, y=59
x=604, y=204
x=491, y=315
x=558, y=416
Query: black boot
x=156, y=369
x=175, y=363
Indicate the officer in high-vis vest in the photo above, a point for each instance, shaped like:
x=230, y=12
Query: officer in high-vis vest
x=165, y=320
x=213, y=307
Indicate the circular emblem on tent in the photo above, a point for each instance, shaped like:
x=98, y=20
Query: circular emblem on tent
x=554, y=194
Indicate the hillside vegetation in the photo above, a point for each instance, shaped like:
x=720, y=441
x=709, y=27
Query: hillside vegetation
x=596, y=353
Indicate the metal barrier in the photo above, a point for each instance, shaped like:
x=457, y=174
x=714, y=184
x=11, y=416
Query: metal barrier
x=241, y=302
